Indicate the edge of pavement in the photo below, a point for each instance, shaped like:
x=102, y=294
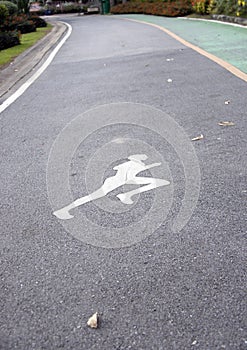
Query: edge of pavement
x=16, y=72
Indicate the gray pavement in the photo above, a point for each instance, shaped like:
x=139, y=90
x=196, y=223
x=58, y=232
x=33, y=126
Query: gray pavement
x=170, y=290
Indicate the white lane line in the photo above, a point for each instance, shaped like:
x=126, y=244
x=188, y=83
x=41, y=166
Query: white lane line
x=214, y=21
x=36, y=75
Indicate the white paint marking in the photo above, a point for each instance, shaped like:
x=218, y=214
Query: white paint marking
x=36, y=75
x=214, y=21
x=126, y=175
x=118, y=140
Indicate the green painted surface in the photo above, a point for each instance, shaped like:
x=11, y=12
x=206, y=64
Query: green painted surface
x=224, y=41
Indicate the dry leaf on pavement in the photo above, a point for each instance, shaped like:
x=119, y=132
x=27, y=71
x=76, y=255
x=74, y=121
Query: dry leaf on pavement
x=197, y=138
x=226, y=123
x=93, y=321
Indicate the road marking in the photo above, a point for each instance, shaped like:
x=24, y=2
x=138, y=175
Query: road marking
x=107, y=222
x=237, y=72
x=126, y=175
x=37, y=74
x=214, y=21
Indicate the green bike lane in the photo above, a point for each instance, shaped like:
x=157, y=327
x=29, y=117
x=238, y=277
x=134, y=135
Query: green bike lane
x=228, y=42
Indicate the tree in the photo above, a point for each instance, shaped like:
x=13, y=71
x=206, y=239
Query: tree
x=3, y=13
x=11, y=7
x=23, y=6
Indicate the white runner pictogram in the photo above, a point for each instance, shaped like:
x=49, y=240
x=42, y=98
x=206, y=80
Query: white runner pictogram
x=126, y=175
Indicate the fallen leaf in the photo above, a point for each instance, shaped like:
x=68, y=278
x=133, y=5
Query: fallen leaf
x=197, y=138
x=93, y=321
x=226, y=123
x=169, y=80
x=227, y=102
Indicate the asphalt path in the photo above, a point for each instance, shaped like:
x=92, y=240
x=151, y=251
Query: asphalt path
x=175, y=280
x=225, y=40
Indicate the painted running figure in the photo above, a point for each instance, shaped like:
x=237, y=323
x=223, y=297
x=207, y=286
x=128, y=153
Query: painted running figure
x=126, y=175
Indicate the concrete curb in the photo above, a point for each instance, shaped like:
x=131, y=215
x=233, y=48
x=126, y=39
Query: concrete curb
x=230, y=19
x=25, y=63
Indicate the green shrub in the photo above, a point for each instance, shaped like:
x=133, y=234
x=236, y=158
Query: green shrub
x=71, y=7
x=9, y=39
x=200, y=6
x=20, y=23
x=169, y=8
x=222, y=6
x=228, y=7
x=26, y=27
x=242, y=8
x=68, y=7
x=3, y=13
x=12, y=8
x=39, y=22
x=211, y=6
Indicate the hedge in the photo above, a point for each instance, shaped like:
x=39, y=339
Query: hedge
x=174, y=8
x=26, y=27
x=228, y=7
x=22, y=23
x=9, y=39
x=38, y=22
x=162, y=8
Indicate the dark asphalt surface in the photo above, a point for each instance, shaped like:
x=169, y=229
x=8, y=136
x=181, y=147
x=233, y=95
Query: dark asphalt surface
x=172, y=290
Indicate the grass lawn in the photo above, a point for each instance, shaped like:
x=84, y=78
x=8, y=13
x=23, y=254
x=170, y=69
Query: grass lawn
x=27, y=40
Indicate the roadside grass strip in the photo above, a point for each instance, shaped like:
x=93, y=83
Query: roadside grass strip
x=27, y=40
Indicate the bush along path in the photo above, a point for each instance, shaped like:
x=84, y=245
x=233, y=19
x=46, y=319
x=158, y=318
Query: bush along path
x=170, y=8
x=14, y=23
x=174, y=8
